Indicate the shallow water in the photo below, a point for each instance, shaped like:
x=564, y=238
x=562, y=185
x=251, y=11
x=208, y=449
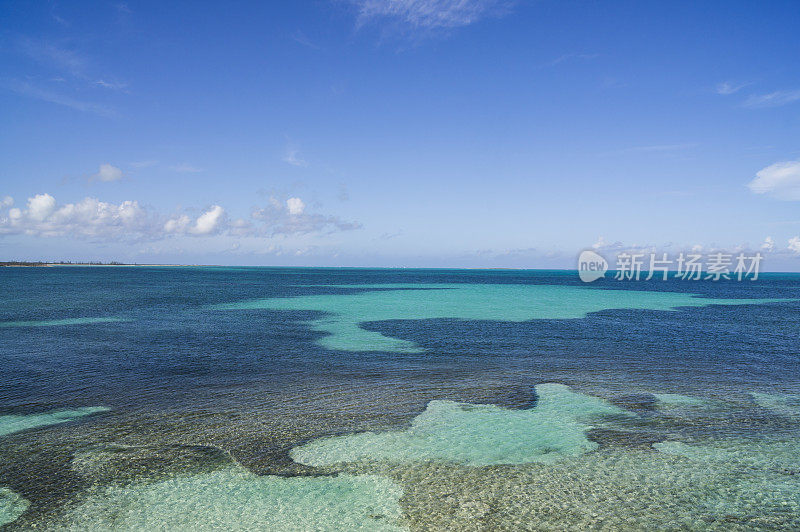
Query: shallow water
x=16, y=423
x=396, y=399
x=476, y=435
x=12, y=505
x=345, y=313
x=233, y=498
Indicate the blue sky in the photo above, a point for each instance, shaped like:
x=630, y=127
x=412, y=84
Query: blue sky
x=405, y=133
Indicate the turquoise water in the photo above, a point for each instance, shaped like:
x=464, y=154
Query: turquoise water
x=344, y=313
x=16, y=423
x=781, y=404
x=12, y=505
x=545, y=443
x=676, y=400
x=253, y=398
x=476, y=435
x=774, y=490
x=235, y=499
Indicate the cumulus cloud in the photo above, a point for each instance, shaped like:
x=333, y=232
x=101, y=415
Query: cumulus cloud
x=603, y=245
x=108, y=173
x=429, y=14
x=41, y=206
x=295, y=206
x=86, y=218
x=208, y=223
x=769, y=244
x=780, y=180
x=95, y=219
x=289, y=217
x=177, y=225
x=794, y=244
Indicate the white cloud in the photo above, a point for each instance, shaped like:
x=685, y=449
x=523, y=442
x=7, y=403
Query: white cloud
x=794, y=244
x=115, y=85
x=41, y=206
x=780, y=180
x=295, y=206
x=55, y=56
x=603, y=245
x=301, y=38
x=241, y=227
x=32, y=91
x=185, y=168
x=773, y=99
x=144, y=164
x=209, y=222
x=177, y=225
x=726, y=88
x=87, y=218
x=769, y=244
x=71, y=68
x=429, y=14
x=66, y=61
x=293, y=157
x=108, y=173
x=128, y=221
x=289, y=217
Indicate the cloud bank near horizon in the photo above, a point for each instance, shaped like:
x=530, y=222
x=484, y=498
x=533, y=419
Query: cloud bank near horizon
x=90, y=218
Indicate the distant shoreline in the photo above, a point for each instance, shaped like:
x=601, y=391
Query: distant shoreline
x=31, y=264
x=23, y=264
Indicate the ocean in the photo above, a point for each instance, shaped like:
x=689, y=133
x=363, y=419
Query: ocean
x=221, y=398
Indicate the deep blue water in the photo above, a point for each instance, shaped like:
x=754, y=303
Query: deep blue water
x=174, y=349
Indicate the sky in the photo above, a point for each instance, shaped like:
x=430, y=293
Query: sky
x=409, y=133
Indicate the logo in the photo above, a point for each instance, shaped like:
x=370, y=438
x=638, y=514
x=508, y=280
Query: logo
x=591, y=266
